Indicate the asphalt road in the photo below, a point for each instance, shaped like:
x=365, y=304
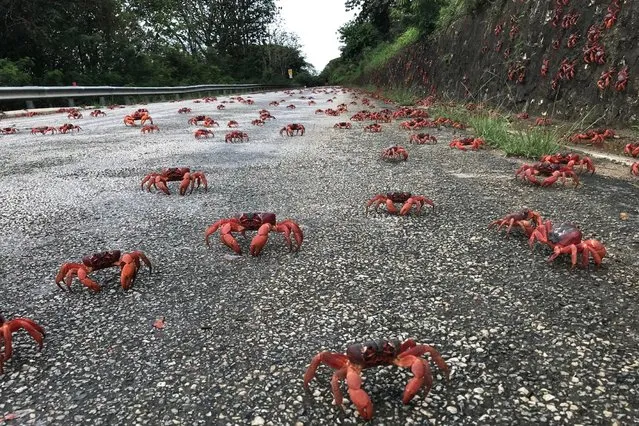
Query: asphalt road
x=528, y=341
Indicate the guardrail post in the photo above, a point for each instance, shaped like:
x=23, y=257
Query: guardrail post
x=177, y=97
x=102, y=101
x=30, y=105
x=70, y=101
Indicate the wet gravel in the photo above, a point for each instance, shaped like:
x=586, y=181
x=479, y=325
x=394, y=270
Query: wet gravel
x=527, y=341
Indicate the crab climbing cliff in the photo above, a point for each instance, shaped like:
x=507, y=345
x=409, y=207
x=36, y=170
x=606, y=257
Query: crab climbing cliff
x=566, y=58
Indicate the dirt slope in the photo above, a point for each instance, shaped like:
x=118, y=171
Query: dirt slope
x=496, y=54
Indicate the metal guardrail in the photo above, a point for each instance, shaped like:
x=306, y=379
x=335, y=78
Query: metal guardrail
x=40, y=92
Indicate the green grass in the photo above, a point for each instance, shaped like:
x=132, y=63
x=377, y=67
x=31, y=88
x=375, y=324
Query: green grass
x=532, y=143
x=400, y=95
x=379, y=56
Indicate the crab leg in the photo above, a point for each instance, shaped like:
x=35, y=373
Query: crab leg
x=297, y=231
x=184, y=185
x=35, y=330
x=422, y=376
x=159, y=183
x=334, y=360
x=84, y=279
x=390, y=206
x=66, y=273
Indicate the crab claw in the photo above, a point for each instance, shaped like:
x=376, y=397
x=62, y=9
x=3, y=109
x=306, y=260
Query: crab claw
x=227, y=237
x=130, y=263
x=259, y=241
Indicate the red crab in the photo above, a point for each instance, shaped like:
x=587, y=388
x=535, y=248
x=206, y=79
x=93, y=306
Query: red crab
x=522, y=116
x=209, y=122
x=7, y=328
x=604, y=79
x=203, y=133
x=632, y=149
x=373, y=128
x=174, y=174
x=257, y=122
x=528, y=172
x=9, y=131
x=467, y=143
x=74, y=115
x=422, y=139
x=566, y=238
x=594, y=53
x=43, y=130
x=395, y=153
x=570, y=160
x=525, y=219
x=149, y=128
x=319, y=111
x=409, y=200
x=129, y=264
x=539, y=121
x=572, y=41
x=220, y=107
x=194, y=121
x=236, y=136
x=544, y=67
x=343, y=125
x=184, y=110
x=141, y=114
x=622, y=79
x=233, y=124
x=97, y=113
x=291, y=106
x=566, y=70
x=358, y=357
x=263, y=223
x=274, y=103
x=293, y=129
x=68, y=127
x=596, y=136
x=634, y=168
x=611, y=16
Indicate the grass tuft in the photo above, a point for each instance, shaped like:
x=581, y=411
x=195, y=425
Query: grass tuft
x=532, y=143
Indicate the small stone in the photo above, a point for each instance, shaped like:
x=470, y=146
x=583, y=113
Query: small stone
x=548, y=397
x=451, y=409
x=478, y=390
x=551, y=407
x=523, y=391
x=257, y=421
x=607, y=413
x=161, y=384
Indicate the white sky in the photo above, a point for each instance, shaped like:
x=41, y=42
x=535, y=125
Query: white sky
x=316, y=23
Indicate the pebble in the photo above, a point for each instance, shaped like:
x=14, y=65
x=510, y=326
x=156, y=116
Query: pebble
x=257, y=421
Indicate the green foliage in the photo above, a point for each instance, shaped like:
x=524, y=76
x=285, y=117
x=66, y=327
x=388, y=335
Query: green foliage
x=145, y=42
x=452, y=10
x=15, y=73
x=384, y=52
x=357, y=37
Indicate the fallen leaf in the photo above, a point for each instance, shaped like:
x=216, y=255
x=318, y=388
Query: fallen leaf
x=159, y=323
x=623, y=216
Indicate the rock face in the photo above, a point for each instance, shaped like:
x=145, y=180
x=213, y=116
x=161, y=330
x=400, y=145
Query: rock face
x=495, y=54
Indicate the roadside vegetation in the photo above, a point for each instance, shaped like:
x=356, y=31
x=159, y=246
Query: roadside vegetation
x=147, y=43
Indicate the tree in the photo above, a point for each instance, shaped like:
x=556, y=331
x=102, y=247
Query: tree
x=377, y=12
